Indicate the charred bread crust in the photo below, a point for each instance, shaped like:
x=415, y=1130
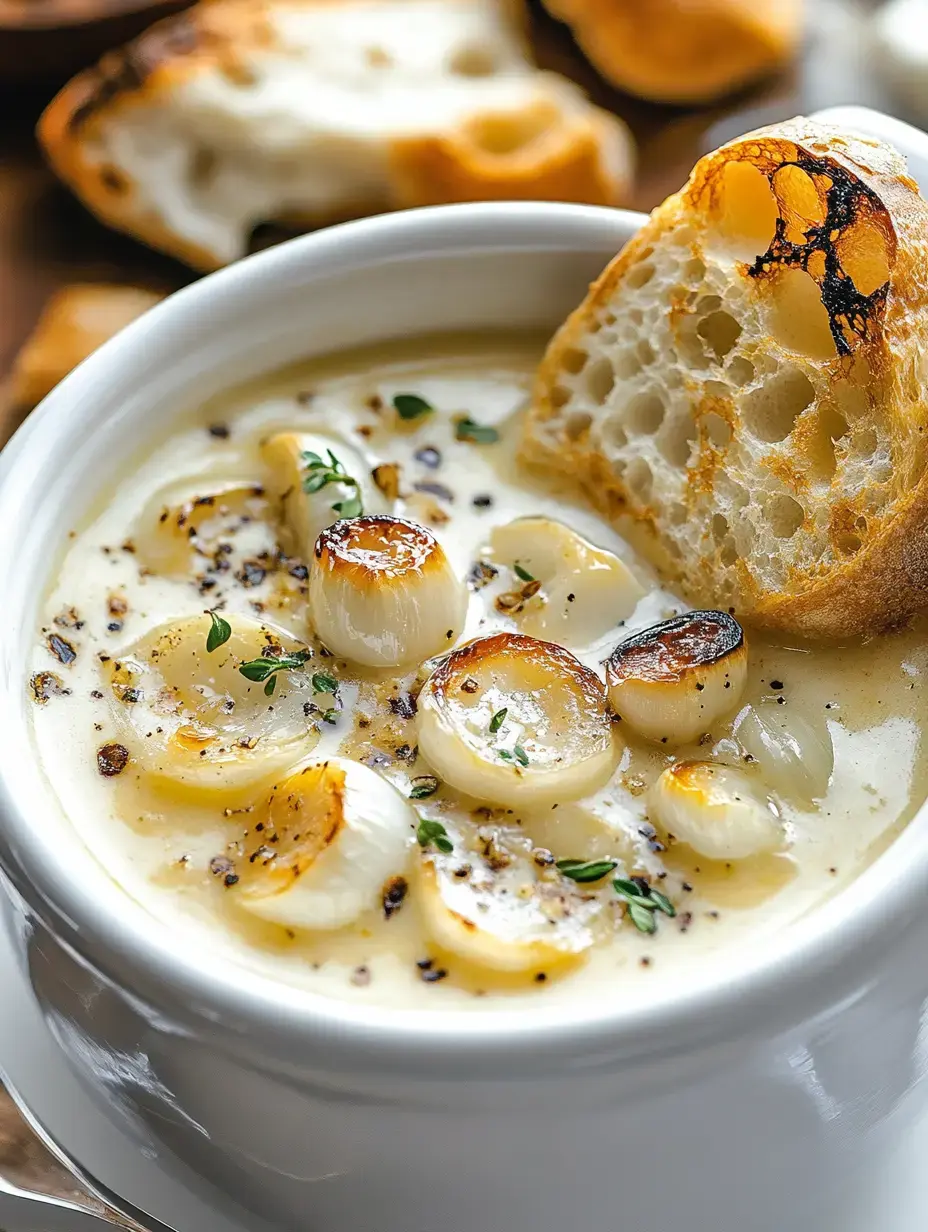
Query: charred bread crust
x=862, y=239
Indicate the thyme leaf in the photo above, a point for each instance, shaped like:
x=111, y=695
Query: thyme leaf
x=219, y=632
x=434, y=832
x=467, y=429
x=584, y=871
x=411, y=406
x=518, y=754
x=423, y=786
x=350, y=507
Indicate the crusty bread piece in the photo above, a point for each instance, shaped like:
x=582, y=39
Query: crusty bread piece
x=749, y=380
x=683, y=51
x=242, y=112
x=542, y=152
x=74, y=323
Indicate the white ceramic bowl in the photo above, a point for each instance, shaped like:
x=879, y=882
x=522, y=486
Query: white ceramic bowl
x=764, y=1100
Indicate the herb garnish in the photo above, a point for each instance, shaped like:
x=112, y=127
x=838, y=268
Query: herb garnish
x=584, y=871
x=467, y=429
x=423, y=786
x=434, y=832
x=498, y=720
x=642, y=903
x=324, y=683
x=267, y=667
x=219, y=632
x=523, y=574
x=518, y=754
x=411, y=406
x=322, y=473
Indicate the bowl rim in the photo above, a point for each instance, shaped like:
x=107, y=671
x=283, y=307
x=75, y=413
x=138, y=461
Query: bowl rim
x=810, y=967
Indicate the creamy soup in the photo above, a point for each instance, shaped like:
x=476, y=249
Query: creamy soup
x=386, y=759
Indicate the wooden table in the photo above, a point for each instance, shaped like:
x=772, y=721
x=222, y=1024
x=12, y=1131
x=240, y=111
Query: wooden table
x=48, y=240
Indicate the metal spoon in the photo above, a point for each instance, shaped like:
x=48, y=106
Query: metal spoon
x=43, y=1190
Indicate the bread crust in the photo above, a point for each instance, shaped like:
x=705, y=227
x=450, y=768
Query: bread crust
x=588, y=157
x=568, y=162
x=874, y=574
x=77, y=320
x=682, y=51
x=158, y=60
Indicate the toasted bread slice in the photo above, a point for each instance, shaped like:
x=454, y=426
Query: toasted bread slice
x=242, y=112
x=74, y=323
x=683, y=51
x=749, y=380
x=550, y=150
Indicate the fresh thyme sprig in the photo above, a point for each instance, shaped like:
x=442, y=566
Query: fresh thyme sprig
x=642, y=902
x=266, y=668
x=320, y=474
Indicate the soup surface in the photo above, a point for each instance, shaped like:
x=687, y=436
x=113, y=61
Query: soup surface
x=487, y=835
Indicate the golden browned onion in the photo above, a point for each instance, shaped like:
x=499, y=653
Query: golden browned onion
x=511, y=922
x=382, y=592
x=719, y=811
x=583, y=591
x=555, y=740
x=333, y=833
x=672, y=681
x=194, y=723
x=183, y=523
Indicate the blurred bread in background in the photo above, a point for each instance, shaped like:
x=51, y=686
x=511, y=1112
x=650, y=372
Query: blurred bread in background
x=544, y=151
x=305, y=112
x=683, y=51
x=74, y=323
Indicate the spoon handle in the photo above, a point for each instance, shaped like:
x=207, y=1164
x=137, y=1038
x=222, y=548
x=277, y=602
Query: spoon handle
x=43, y=1190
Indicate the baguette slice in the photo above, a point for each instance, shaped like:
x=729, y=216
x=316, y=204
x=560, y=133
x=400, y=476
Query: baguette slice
x=305, y=112
x=749, y=380
x=76, y=321
x=683, y=51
